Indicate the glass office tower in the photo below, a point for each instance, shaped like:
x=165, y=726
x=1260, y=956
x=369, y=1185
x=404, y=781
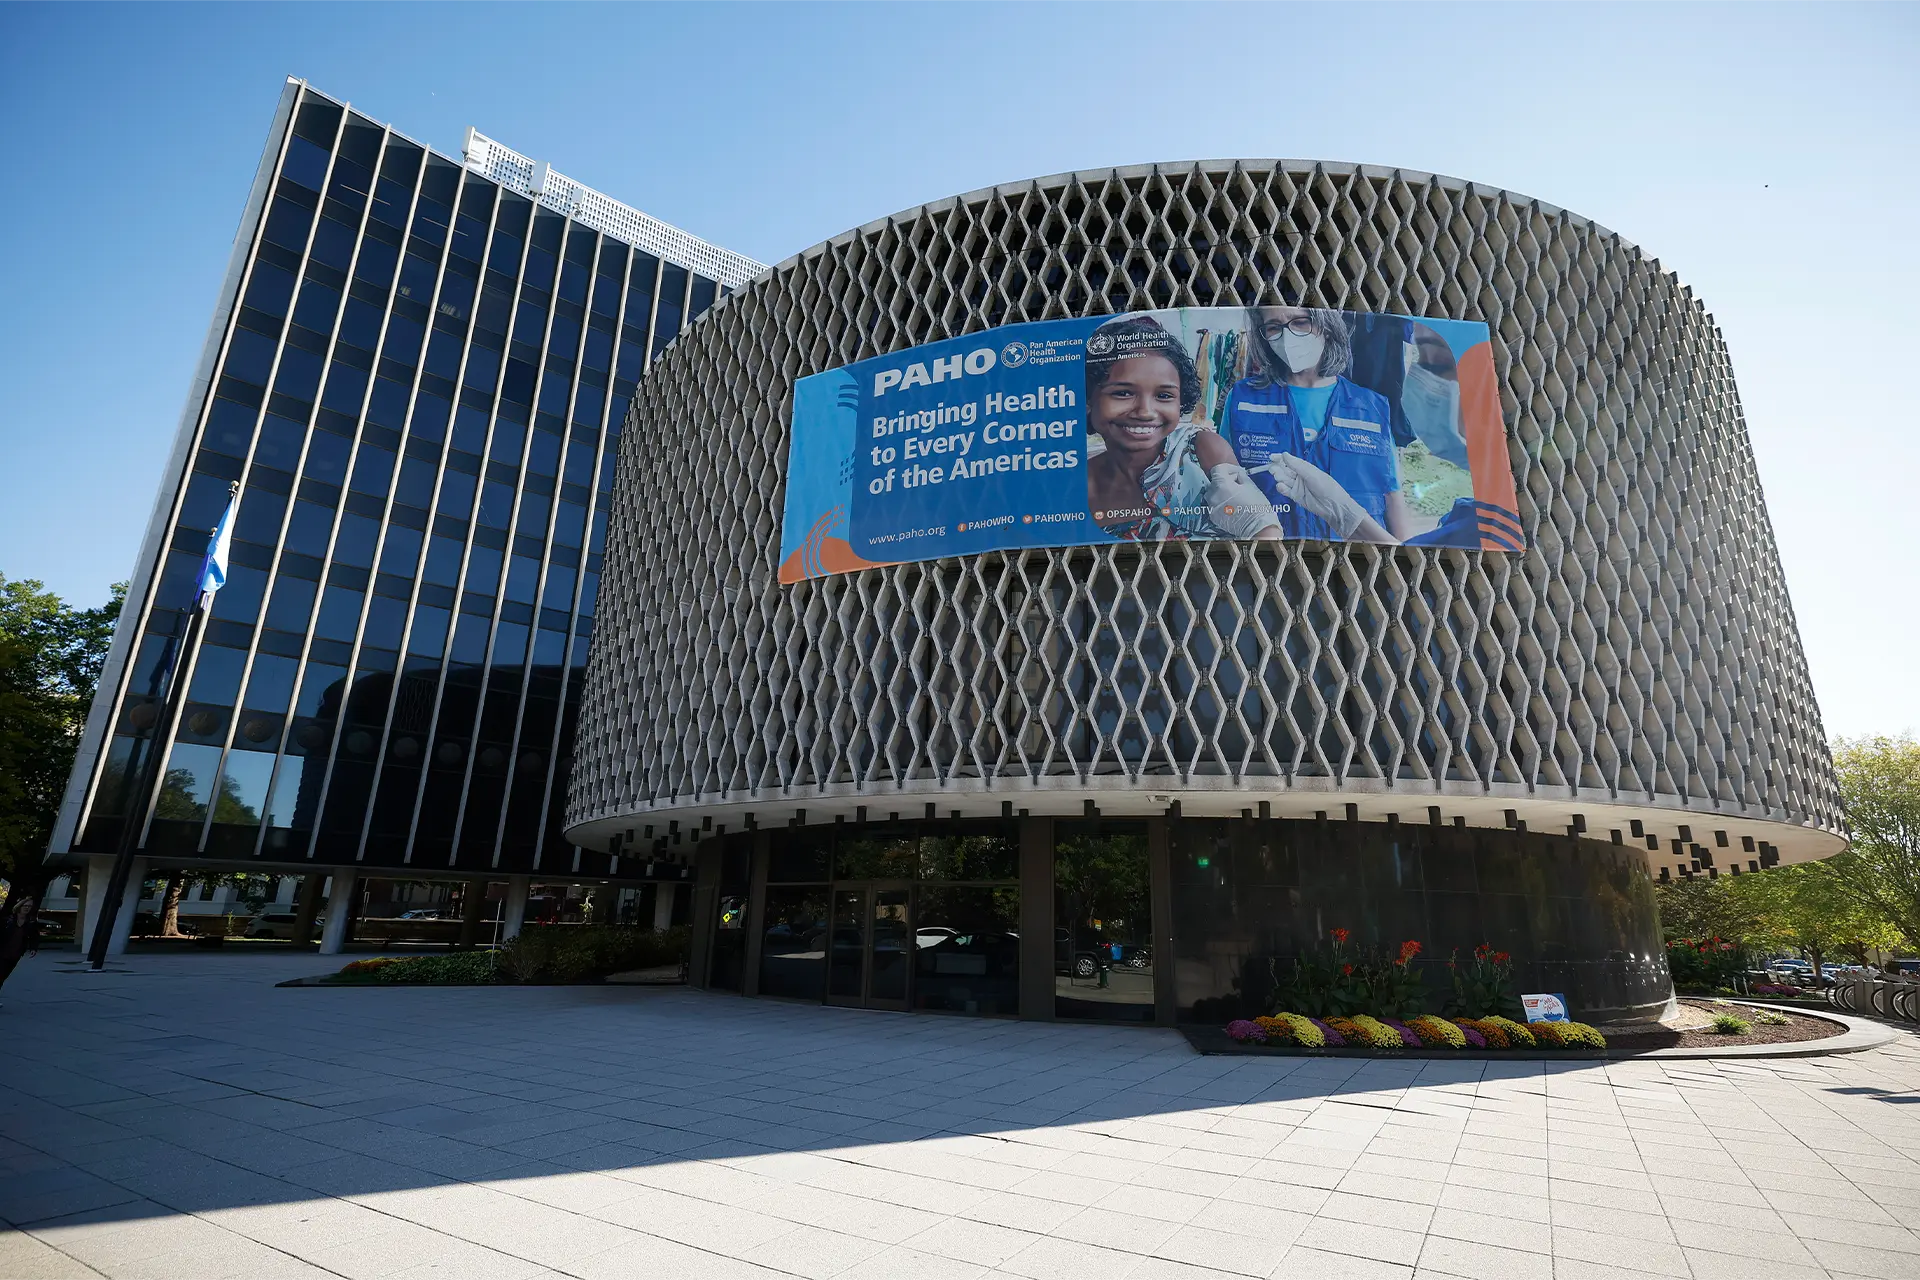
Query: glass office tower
x=416, y=373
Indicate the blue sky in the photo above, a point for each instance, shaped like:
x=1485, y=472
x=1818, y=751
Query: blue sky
x=1767, y=154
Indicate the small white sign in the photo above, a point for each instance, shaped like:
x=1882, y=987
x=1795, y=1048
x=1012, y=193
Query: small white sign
x=1545, y=1008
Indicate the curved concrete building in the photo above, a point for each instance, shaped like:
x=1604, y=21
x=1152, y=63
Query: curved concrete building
x=1188, y=759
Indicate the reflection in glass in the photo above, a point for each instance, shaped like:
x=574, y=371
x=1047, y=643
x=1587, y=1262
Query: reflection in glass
x=991, y=856
x=887, y=981
x=793, y=950
x=880, y=856
x=1103, y=920
x=188, y=786
x=243, y=788
x=967, y=949
x=847, y=945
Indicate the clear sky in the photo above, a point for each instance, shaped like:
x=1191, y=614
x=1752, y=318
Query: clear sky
x=1765, y=153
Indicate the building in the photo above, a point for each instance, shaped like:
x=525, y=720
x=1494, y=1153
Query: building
x=1132, y=781
x=416, y=373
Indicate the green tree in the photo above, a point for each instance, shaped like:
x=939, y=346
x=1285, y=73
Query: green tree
x=1810, y=909
x=1880, y=784
x=50, y=660
x=1695, y=909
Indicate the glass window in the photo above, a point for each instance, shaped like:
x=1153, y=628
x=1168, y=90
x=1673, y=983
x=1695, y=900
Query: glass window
x=377, y=261
x=229, y=428
x=285, y=809
x=318, y=306
x=359, y=325
x=966, y=949
x=544, y=455
x=570, y=526
x=357, y=538
x=483, y=369
x=429, y=631
x=702, y=297
x=667, y=316
x=292, y=604
x=975, y=855
x=249, y=357
x=280, y=443
x=800, y=855
x=443, y=562
x=269, y=289
x=483, y=570
x=188, y=786
x=373, y=470
x=510, y=645
x=339, y=614
x=599, y=354
x=386, y=619
x=1103, y=921
x=216, y=675
x=404, y=336
x=416, y=482
x=305, y=164
x=523, y=575
x=877, y=854
x=589, y=593
x=550, y=649
x=287, y=224
x=240, y=599
x=307, y=531
x=559, y=590
x=270, y=688
x=261, y=512
x=401, y=556
x=320, y=687
x=299, y=374
x=470, y=640
x=793, y=950
x=243, y=788
x=456, y=494
x=333, y=243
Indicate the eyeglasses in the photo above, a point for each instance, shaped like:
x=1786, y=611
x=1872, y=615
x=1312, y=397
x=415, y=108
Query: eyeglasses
x=1272, y=329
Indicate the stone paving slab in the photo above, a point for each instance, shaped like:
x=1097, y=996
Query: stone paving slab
x=183, y=1117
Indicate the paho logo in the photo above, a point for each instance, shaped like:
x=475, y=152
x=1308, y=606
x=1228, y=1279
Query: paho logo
x=1013, y=355
x=925, y=374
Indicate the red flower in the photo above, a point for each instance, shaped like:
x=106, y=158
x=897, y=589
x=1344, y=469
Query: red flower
x=1408, y=950
x=1339, y=935
x=1501, y=957
x=1347, y=970
x=1480, y=952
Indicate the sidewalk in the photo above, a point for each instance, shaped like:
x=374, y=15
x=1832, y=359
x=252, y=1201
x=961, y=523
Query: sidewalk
x=183, y=1117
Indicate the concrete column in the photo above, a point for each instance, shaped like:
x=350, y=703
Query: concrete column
x=339, y=912
x=99, y=872
x=664, y=894
x=309, y=900
x=473, y=905
x=515, y=912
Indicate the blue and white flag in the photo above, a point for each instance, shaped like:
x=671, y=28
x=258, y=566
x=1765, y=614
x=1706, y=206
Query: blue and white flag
x=213, y=571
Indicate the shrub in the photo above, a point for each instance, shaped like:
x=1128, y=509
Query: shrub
x=1246, y=1032
x=1580, y=1035
x=1726, y=1024
x=1328, y=1036
x=1489, y=1031
x=458, y=967
x=581, y=953
x=1305, y=1031
x=1370, y=1032
x=1437, y=1033
x=366, y=968
x=1771, y=1019
x=1472, y=1035
x=1408, y=1040
x=1518, y=1036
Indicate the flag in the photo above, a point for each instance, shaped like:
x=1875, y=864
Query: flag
x=213, y=571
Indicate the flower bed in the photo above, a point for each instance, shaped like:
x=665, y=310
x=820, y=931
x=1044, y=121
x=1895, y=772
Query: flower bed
x=1427, y=1031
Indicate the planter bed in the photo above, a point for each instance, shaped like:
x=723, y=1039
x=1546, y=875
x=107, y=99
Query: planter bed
x=1801, y=1027
x=1214, y=1040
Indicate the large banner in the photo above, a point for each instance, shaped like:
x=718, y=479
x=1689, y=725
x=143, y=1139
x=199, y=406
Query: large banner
x=1214, y=423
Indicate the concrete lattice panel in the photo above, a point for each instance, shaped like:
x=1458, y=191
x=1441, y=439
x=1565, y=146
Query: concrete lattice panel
x=1640, y=660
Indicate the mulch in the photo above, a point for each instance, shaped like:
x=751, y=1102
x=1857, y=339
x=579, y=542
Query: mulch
x=1799, y=1027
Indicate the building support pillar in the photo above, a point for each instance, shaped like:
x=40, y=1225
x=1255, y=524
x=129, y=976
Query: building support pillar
x=94, y=887
x=333, y=939
x=1036, y=919
x=664, y=894
x=309, y=906
x=515, y=911
x=473, y=906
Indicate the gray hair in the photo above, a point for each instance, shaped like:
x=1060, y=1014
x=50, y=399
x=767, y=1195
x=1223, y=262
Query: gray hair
x=1269, y=366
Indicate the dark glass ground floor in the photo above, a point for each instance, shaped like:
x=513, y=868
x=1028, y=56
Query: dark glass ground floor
x=1158, y=920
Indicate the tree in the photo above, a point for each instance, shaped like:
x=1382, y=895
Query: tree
x=50, y=660
x=1808, y=908
x=1699, y=908
x=1880, y=784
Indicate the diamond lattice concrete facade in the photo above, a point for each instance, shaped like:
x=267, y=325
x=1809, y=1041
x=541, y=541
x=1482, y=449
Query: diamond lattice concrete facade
x=1628, y=696
x=416, y=373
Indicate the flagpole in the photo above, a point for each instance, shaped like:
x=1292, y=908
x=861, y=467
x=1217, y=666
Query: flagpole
x=213, y=575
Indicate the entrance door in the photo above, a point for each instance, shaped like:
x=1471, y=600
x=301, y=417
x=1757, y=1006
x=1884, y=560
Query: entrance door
x=870, y=954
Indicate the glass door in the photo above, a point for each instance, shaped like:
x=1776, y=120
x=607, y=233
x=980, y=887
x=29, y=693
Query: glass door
x=870, y=952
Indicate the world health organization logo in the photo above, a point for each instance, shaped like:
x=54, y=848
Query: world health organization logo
x=1013, y=355
x=1099, y=344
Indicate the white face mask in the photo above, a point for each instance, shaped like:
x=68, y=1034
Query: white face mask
x=1302, y=351
x=1432, y=406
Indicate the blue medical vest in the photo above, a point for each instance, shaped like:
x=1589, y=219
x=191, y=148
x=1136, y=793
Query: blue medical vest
x=1356, y=448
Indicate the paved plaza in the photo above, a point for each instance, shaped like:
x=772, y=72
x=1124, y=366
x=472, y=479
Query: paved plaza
x=185, y=1118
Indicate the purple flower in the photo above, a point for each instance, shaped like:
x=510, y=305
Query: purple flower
x=1407, y=1036
x=1243, y=1030
x=1474, y=1038
x=1334, y=1039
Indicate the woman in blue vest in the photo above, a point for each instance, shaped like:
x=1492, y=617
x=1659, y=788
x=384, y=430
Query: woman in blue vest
x=1312, y=439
